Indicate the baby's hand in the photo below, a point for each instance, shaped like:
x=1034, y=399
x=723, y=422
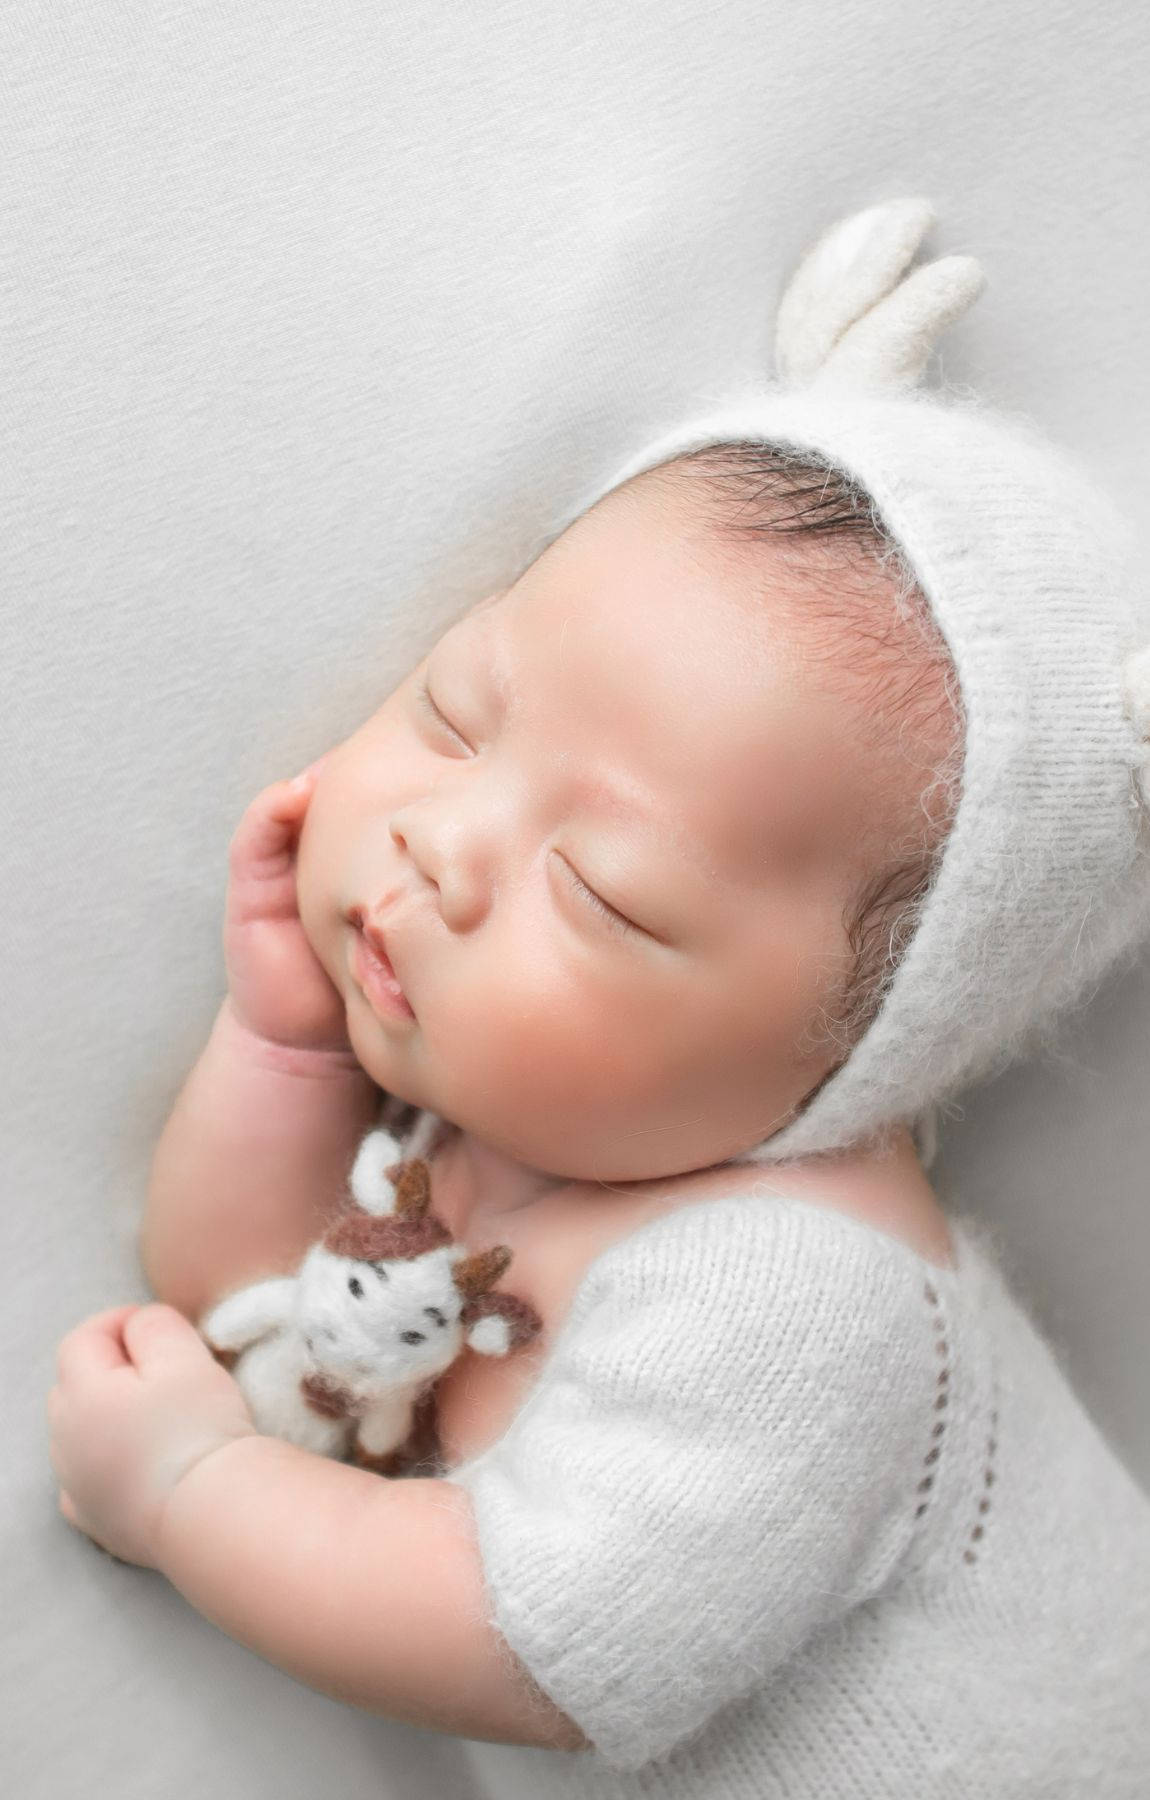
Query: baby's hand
x=278, y=987
x=139, y=1401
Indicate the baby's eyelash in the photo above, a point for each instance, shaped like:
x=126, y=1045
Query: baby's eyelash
x=617, y=920
x=423, y=697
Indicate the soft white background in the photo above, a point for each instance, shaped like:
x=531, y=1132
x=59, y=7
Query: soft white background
x=317, y=317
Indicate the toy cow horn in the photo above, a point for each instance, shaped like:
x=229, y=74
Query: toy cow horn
x=406, y=1227
x=475, y=1274
x=412, y=1182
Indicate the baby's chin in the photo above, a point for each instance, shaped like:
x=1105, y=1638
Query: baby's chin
x=587, y=1153
x=376, y=1056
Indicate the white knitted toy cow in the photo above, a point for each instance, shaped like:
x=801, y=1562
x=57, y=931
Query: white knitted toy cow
x=336, y=1357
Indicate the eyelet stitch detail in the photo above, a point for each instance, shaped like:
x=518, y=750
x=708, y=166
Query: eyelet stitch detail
x=989, y=1475
x=942, y=1397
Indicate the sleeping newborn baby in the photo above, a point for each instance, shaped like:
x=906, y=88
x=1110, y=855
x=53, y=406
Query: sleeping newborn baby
x=796, y=783
x=633, y=838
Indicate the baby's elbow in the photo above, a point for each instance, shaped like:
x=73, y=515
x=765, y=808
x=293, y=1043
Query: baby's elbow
x=170, y=1282
x=568, y=1735
x=543, y=1725
x=530, y=1720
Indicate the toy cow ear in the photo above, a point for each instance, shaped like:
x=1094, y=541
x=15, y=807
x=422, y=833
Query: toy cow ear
x=371, y=1179
x=852, y=317
x=1136, y=698
x=490, y=1335
x=494, y=1324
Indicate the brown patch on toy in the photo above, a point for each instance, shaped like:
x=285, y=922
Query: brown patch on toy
x=423, y=1446
x=393, y=1463
x=326, y=1397
x=369, y=1239
x=412, y=1187
x=419, y=1453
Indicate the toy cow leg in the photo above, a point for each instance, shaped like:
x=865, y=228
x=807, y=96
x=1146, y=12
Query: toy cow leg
x=287, y=1400
x=383, y=1439
x=423, y=1447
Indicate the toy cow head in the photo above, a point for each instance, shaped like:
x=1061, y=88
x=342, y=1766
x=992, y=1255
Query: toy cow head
x=389, y=1295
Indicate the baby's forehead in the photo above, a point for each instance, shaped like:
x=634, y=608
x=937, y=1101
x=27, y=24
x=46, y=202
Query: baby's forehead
x=646, y=576
x=632, y=621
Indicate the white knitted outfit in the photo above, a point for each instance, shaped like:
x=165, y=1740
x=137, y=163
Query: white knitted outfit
x=788, y=1511
x=790, y=1514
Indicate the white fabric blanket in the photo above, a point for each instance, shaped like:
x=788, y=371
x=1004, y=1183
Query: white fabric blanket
x=314, y=318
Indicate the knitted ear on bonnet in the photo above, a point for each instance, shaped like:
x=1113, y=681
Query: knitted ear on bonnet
x=1030, y=574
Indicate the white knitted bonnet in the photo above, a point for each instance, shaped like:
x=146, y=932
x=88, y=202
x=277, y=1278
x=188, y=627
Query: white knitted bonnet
x=1030, y=573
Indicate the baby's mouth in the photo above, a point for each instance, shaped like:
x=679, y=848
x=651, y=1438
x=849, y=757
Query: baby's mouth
x=374, y=972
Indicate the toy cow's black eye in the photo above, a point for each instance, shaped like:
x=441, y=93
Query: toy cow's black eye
x=356, y=1286
x=433, y=1312
x=412, y=1337
x=381, y=1271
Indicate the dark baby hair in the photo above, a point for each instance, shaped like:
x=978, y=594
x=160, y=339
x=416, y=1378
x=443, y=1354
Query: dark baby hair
x=900, y=664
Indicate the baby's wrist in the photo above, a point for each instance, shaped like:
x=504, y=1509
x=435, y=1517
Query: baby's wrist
x=192, y=1490
x=286, y=1059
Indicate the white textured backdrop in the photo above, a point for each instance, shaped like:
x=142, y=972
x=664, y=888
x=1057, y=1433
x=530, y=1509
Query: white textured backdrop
x=316, y=316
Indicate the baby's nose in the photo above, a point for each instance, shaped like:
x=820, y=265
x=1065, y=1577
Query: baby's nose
x=455, y=855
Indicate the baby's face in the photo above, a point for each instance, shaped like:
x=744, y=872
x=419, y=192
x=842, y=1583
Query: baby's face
x=631, y=720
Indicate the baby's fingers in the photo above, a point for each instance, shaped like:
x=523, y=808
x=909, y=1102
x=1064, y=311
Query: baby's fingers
x=95, y=1344
x=302, y=784
x=159, y=1338
x=269, y=826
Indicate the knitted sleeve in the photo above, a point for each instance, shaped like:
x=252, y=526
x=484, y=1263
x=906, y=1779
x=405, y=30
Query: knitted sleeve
x=719, y=1456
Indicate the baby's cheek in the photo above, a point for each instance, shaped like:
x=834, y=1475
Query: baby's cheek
x=577, y=1054
x=548, y=1033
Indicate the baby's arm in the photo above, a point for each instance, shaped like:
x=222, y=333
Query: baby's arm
x=251, y=1164
x=370, y=1590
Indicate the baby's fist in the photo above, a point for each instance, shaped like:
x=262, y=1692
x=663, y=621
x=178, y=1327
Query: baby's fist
x=139, y=1401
